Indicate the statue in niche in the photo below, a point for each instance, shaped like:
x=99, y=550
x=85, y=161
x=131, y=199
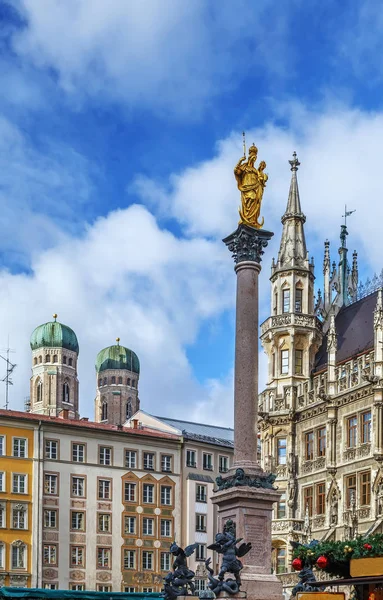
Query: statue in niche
x=334, y=509
x=251, y=183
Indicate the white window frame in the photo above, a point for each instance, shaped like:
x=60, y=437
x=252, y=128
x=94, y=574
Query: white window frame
x=199, y=488
x=53, y=479
x=165, y=561
x=3, y=516
x=223, y=463
x=189, y=463
x=49, y=512
x=149, y=459
x=78, y=485
x=22, y=452
x=130, y=459
x=77, y=517
x=50, y=551
x=166, y=528
x=147, y=526
x=147, y=559
x=129, y=559
x=103, y=485
x=2, y=481
x=207, y=461
x=77, y=552
x=166, y=463
x=76, y=452
x=2, y=555
x=19, y=517
x=102, y=519
x=132, y=491
x=49, y=445
x=105, y=456
x=106, y=557
x=19, y=552
x=166, y=495
x=3, y=443
x=201, y=552
x=22, y=477
x=148, y=493
x=130, y=525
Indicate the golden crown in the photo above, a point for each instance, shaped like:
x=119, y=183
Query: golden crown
x=253, y=149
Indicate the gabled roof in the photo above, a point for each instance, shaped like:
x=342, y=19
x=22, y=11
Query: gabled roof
x=354, y=326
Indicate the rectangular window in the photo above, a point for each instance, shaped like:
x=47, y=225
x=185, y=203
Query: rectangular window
x=201, y=493
x=2, y=516
x=281, y=451
x=50, y=484
x=147, y=561
x=129, y=590
x=103, y=558
x=77, y=587
x=104, y=489
x=200, y=522
x=284, y=362
x=19, y=484
x=321, y=498
x=78, y=453
x=366, y=427
x=298, y=362
x=285, y=301
x=200, y=552
x=2, y=481
x=51, y=449
x=147, y=590
x=130, y=459
x=165, y=561
x=166, y=495
x=77, y=556
x=105, y=455
x=207, y=462
x=350, y=490
x=166, y=463
x=19, y=447
x=147, y=526
x=130, y=525
x=309, y=445
x=78, y=520
x=308, y=500
x=50, y=554
x=104, y=522
x=298, y=300
x=104, y=588
x=321, y=441
x=281, y=507
x=2, y=445
x=50, y=586
x=2, y=556
x=191, y=458
x=352, y=425
x=148, y=493
x=19, y=520
x=78, y=486
x=365, y=488
x=130, y=491
x=19, y=557
x=166, y=528
x=281, y=560
x=148, y=461
x=223, y=464
x=129, y=559
x=50, y=519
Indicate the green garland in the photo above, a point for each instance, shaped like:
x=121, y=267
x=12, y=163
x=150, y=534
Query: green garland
x=339, y=553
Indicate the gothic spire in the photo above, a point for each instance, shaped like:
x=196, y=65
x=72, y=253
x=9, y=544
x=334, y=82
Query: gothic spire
x=293, y=250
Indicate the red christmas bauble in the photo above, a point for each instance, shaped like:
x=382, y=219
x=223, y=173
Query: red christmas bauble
x=322, y=562
x=297, y=564
x=367, y=546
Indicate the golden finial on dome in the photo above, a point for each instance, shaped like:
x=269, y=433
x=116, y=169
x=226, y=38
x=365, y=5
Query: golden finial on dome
x=118, y=341
x=55, y=316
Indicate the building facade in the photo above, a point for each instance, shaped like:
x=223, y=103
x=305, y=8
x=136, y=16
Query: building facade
x=321, y=411
x=96, y=505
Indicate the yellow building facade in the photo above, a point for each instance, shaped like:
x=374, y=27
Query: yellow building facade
x=16, y=510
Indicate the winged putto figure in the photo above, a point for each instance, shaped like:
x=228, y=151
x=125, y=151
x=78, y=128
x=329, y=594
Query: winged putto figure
x=226, y=544
x=179, y=581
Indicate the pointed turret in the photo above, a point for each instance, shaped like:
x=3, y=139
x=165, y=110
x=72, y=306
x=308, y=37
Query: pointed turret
x=326, y=276
x=332, y=346
x=378, y=335
x=293, y=251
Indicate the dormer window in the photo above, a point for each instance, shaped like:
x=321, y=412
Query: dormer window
x=286, y=301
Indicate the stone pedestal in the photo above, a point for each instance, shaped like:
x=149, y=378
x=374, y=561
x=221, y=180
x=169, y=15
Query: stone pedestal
x=250, y=509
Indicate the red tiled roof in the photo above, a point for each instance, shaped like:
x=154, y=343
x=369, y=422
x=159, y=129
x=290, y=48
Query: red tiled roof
x=15, y=414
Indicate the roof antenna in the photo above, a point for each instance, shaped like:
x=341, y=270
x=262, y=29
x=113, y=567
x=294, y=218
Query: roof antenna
x=7, y=379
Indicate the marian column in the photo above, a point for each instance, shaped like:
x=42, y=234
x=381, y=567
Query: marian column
x=247, y=495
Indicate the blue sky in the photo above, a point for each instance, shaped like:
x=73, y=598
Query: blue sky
x=120, y=124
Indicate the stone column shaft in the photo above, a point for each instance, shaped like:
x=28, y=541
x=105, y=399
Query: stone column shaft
x=246, y=365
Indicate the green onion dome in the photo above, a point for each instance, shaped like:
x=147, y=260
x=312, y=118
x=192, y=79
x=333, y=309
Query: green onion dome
x=54, y=335
x=117, y=357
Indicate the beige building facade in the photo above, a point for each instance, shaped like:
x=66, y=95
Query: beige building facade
x=321, y=412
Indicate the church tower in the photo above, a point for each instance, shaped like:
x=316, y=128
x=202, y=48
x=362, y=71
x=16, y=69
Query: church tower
x=292, y=335
x=117, y=372
x=54, y=382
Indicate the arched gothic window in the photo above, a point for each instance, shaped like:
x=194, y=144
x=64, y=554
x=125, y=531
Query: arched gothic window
x=133, y=383
x=35, y=361
x=128, y=382
x=39, y=390
x=66, y=396
x=100, y=382
x=40, y=359
x=55, y=358
x=129, y=408
x=104, y=411
x=120, y=380
x=64, y=360
x=70, y=362
x=113, y=380
x=105, y=381
x=47, y=358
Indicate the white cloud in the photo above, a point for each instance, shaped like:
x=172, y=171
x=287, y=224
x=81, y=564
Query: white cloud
x=168, y=55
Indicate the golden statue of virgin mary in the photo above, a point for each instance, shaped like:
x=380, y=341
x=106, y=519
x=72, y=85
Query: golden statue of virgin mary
x=251, y=183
